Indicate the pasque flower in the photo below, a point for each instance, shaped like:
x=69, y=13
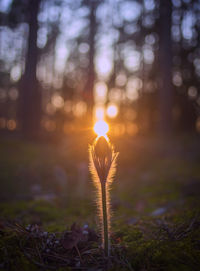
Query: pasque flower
x=103, y=157
x=102, y=166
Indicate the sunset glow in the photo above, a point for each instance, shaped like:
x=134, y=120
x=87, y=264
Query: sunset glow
x=101, y=128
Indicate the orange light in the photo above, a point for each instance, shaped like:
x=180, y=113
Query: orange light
x=99, y=112
x=101, y=128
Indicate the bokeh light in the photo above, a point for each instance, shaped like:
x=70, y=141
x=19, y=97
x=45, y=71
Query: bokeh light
x=112, y=110
x=99, y=112
x=100, y=92
x=11, y=124
x=57, y=101
x=80, y=108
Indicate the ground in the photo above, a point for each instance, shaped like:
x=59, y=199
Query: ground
x=154, y=200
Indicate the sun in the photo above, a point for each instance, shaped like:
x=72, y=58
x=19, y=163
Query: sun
x=101, y=128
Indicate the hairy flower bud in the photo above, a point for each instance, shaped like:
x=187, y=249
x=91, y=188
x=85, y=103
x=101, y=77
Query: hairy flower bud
x=102, y=149
x=103, y=156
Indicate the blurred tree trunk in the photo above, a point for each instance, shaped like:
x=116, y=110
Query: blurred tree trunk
x=91, y=68
x=30, y=100
x=165, y=67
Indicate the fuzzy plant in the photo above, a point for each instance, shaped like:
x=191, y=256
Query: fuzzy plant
x=102, y=166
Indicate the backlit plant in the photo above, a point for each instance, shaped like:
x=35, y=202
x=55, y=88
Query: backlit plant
x=102, y=166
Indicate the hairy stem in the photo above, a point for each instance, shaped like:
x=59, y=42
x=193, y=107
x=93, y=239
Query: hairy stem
x=105, y=218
